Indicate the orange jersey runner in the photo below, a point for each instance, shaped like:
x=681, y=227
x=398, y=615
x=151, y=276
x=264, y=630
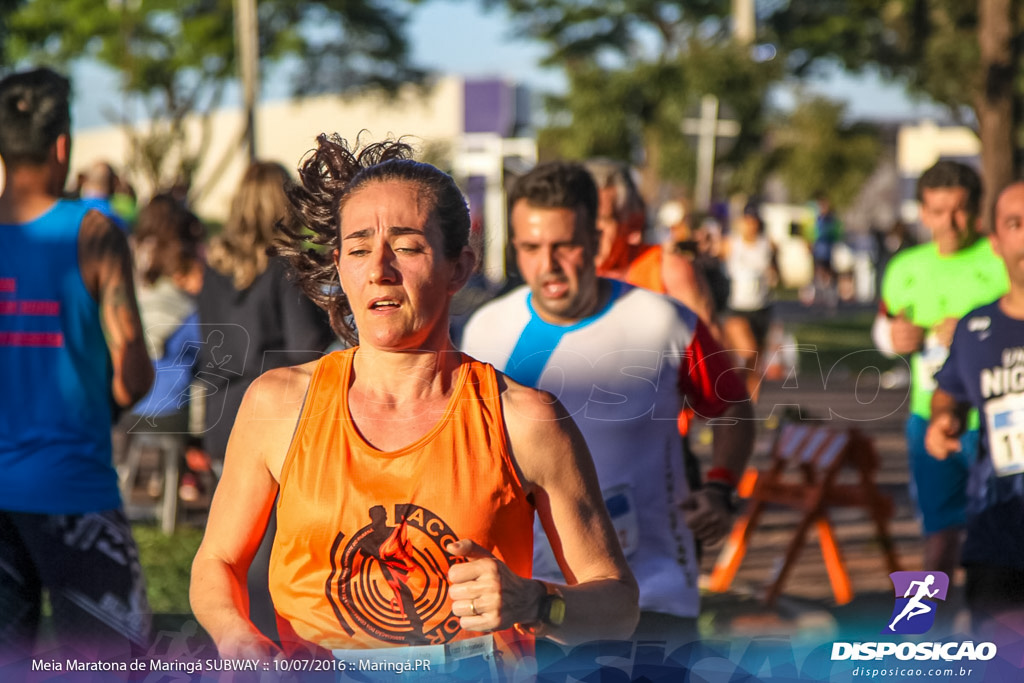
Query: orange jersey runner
x=359, y=560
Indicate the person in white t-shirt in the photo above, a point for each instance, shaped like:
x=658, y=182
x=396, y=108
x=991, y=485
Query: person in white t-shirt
x=750, y=264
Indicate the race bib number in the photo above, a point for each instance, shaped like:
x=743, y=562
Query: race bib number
x=1004, y=417
x=622, y=509
x=931, y=359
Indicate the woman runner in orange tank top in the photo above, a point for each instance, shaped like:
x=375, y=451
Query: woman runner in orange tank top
x=408, y=473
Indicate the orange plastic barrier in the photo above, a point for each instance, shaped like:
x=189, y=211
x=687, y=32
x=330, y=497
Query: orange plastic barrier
x=806, y=462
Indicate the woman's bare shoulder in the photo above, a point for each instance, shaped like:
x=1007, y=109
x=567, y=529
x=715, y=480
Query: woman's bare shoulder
x=279, y=393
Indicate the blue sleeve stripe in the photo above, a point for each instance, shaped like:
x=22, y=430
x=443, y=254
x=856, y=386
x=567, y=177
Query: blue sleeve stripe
x=533, y=350
x=539, y=339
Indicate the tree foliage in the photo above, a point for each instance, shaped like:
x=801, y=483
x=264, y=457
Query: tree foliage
x=637, y=69
x=638, y=63
x=965, y=55
x=816, y=152
x=176, y=58
x=929, y=45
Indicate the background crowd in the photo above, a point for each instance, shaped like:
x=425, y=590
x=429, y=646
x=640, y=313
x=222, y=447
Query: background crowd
x=205, y=311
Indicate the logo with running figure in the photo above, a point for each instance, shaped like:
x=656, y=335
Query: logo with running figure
x=916, y=595
x=390, y=578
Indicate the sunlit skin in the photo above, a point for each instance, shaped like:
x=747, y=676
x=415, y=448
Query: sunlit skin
x=613, y=238
x=750, y=228
x=946, y=214
x=555, y=255
x=619, y=235
x=1007, y=240
x=393, y=270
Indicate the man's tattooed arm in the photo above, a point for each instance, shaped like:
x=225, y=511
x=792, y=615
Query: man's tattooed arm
x=105, y=262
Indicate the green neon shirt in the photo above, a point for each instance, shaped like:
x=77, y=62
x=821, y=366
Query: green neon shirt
x=928, y=288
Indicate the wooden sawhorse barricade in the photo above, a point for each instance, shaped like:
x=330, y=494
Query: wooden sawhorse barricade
x=818, y=455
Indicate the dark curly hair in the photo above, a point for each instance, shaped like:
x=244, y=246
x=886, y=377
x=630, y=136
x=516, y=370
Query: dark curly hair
x=328, y=176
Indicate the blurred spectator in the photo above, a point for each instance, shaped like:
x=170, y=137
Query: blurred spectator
x=898, y=237
x=97, y=187
x=750, y=263
x=708, y=238
x=265, y=321
x=124, y=201
x=168, y=246
x=796, y=263
x=828, y=231
x=252, y=320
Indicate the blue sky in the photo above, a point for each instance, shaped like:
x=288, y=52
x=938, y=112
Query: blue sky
x=868, y=96
x=456, y=36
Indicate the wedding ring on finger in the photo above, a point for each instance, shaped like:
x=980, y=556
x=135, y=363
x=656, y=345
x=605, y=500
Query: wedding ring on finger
x=472, y=608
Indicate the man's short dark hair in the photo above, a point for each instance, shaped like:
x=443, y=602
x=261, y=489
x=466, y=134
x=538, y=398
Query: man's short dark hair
x=34, y=112
x=559, y=185
x=949, y=174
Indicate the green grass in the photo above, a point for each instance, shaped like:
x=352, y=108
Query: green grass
x=166, y=564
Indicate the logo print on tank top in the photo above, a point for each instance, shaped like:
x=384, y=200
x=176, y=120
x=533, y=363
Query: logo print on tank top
x=390, y=578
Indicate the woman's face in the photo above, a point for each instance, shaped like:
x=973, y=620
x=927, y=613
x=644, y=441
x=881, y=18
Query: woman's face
x=392, y=267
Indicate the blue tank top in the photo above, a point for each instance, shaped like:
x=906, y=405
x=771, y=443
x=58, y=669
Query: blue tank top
x=55, y=373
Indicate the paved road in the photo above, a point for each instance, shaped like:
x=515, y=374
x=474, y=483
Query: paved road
x=840, y=399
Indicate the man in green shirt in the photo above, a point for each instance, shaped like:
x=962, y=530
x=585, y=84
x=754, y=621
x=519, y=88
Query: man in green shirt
x=925, y=291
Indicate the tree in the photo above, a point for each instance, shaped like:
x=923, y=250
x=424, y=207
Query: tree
x=175, y=58
x=964, y=55
x=636, y=69
x=815, y=152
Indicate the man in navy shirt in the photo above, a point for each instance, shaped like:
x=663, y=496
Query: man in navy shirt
x=985, y=369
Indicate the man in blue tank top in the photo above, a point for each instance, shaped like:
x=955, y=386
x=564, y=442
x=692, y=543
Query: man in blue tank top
x=71, y=354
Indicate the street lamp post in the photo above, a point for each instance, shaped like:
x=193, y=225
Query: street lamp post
x=247, y=39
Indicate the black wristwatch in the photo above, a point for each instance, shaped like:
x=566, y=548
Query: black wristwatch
x=550, y=615
x=725, y=492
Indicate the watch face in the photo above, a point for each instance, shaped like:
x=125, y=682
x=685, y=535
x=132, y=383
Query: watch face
x=556, y=610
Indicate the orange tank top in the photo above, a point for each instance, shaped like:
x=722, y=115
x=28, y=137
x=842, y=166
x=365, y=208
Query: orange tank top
x=645, y=270
x=359, y=560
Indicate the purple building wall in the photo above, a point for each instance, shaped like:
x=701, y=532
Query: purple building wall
x=490, y=107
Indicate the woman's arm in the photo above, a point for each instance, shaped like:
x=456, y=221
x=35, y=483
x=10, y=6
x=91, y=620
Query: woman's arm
x=241, y=506
x=555, y=464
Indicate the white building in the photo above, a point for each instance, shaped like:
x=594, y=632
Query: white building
x=455, y=121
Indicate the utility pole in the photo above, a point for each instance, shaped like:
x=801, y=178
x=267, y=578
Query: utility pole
x=247, y=40
x=744, y=21
x=709, y=127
